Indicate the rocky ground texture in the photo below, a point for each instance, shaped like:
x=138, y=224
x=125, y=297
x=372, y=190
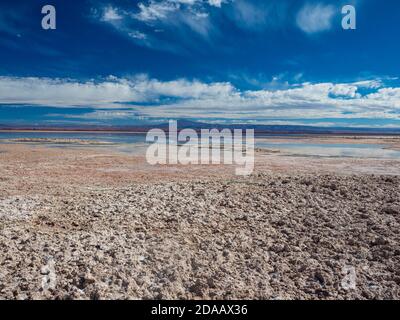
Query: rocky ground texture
x=268, y=236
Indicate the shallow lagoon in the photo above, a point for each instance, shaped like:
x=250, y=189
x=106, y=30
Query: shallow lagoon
x=125, y=141
x=352, y=150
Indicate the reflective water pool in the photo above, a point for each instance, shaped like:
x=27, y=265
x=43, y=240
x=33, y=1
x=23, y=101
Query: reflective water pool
x=125, y=141
x=333, y=149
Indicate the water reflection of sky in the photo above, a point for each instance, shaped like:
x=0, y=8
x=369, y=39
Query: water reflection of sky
x=333, y=149
x=125, y=141
x=118, y=138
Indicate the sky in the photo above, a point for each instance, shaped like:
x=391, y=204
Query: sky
x=126, y=62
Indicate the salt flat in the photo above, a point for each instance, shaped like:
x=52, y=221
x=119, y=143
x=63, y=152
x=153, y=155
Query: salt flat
x=93, y=223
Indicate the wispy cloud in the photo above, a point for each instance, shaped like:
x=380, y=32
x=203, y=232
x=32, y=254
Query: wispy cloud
x=137, y=35
x=186, y=22
x=157, y=10
x=313, y=18
x=163, y=24
x=111, y=14
x=258, y=16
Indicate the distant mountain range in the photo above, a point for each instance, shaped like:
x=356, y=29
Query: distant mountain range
x=183, y=124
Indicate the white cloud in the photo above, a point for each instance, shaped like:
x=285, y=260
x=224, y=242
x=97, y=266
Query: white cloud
x=161, y=10
x=370, y=84
x=42, y=91
x=101, y=115
x=344, y=90
x=111, y=14
x=315, y=18
x=184, y=98
x=60, y=92
x=156, y=10
x=137, y=35
x=215, y=3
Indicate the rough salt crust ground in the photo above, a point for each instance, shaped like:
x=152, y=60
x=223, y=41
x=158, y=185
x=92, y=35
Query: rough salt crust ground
x=292, y=230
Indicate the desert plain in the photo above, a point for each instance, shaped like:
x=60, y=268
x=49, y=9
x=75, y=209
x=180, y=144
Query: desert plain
x=96, y=223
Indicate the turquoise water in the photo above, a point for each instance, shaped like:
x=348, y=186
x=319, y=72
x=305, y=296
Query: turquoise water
x=125, y=141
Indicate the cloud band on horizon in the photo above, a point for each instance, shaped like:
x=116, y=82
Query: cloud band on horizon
x=182, y=98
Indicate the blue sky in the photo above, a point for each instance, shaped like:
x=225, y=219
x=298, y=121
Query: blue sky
x=267, y=62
